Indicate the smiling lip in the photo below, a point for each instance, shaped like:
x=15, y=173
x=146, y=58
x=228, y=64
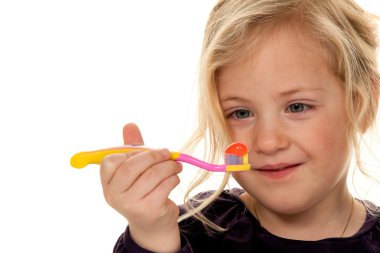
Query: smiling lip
x=277, y=171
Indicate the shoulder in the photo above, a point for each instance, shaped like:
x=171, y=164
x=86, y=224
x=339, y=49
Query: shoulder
x=223, y=201
x=231, y=196
x=225, y=210
x=372, y=214
x=369, y=234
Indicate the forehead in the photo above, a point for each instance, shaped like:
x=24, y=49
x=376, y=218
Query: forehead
x=289, y=33
x=285, y=54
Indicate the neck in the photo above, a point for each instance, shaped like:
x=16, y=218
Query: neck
x=335, y=216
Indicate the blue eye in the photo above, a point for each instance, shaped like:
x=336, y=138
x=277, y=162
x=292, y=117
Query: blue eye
x=298, y=107
x=241, y=114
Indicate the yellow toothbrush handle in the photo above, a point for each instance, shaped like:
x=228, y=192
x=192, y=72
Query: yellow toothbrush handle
x=82, y=159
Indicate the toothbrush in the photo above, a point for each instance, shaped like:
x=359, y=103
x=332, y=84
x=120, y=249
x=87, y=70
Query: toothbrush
x=235, y=157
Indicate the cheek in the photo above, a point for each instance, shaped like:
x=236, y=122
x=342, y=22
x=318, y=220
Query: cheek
x=327, y=141
x=242, y=134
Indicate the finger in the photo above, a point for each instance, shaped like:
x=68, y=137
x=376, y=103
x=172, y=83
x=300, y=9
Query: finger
x=160, y=195
x=111, y=163
x=132, y=135
x=154, y=176
x=129, y=172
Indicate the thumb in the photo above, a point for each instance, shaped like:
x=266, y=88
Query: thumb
x=132, y=135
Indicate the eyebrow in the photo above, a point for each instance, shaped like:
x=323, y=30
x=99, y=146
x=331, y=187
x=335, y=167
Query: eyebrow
x=233, y=98
x=280, y=94
x=299, y=90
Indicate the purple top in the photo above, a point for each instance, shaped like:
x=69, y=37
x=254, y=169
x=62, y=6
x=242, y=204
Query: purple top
x=245, y=234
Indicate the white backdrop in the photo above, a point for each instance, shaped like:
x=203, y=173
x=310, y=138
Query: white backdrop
x=72, y=73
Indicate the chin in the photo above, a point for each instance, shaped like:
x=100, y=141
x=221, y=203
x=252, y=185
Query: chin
x=284, y=203
x=291, y=206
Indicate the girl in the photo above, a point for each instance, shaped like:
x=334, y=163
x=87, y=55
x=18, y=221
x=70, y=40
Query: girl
x=295, y=80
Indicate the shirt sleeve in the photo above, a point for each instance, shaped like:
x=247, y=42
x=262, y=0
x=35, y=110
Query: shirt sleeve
x=125, y=244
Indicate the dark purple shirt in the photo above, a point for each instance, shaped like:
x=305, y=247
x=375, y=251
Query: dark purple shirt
x=245, y=234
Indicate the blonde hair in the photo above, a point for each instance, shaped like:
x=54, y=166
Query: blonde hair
x=346, y=33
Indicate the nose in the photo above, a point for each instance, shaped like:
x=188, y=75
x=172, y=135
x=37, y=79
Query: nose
x=269, y=137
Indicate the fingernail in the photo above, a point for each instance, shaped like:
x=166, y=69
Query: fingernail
x=180, y=167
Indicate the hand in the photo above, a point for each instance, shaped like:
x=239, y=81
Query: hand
x=137, y=185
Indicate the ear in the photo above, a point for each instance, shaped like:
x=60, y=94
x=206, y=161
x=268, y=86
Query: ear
x=132, y=135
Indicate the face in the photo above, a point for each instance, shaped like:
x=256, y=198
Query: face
x=285, y=103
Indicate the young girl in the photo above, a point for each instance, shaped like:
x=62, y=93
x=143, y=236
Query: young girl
x=296, y=81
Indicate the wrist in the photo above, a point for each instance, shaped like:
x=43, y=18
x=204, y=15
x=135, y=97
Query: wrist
x=160, y=242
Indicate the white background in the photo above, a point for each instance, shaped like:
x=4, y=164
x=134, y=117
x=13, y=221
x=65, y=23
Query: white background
x=72, y=73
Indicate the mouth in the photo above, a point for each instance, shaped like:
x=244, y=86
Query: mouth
x=277, y=171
